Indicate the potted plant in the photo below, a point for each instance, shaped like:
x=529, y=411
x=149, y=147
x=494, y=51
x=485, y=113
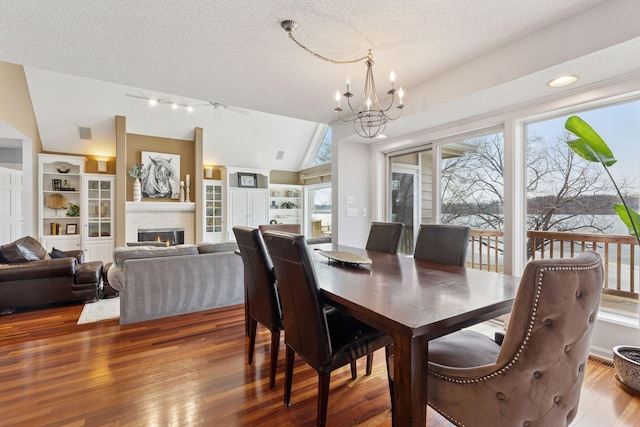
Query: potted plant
x=137, y=171
x=72, y=209
x=590, y=146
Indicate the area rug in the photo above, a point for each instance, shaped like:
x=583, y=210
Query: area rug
x=104, y=309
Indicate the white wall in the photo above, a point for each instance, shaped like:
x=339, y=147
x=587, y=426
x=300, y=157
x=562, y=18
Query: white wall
x=351, y=180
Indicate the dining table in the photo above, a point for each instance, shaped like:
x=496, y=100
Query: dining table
x=413, y=301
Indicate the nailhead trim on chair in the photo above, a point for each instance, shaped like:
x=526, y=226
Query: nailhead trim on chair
x=529, y=328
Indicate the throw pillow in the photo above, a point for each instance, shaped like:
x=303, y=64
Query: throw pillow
x=57, y=253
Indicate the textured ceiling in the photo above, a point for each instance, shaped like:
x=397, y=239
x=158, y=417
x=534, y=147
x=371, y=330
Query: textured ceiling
x=236, y=53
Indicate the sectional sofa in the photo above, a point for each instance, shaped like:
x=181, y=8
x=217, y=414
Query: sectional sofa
x=157, y=282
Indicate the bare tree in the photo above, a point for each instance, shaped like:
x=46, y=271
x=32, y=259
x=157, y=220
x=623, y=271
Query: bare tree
x=563, y=192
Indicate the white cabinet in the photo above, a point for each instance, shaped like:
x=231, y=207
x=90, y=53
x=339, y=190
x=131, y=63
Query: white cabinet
x=75, y=210
x=247, y=197
x=97, y=213
x=248, y=207
x=62, y=243
x=213, y=211
x=59, y=186
x=285, y=205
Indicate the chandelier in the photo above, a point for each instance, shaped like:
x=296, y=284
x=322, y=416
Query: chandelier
x=370, y=117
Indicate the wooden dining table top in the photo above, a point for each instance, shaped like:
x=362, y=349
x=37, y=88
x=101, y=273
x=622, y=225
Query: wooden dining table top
x=407, y=294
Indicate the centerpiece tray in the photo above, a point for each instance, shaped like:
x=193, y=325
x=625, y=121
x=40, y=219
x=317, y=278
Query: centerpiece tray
x=346, y=257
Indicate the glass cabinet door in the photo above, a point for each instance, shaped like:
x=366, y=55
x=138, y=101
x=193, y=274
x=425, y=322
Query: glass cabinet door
x=213, y=208
x=99, y=221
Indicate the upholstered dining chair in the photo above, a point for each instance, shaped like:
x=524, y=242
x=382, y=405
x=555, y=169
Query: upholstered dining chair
x=263, y=305
x=444, y=244
x=535, y=377
x=324, y=339
x=385, y=237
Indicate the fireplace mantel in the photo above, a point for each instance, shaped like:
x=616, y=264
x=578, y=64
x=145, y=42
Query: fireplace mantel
x=160, y=206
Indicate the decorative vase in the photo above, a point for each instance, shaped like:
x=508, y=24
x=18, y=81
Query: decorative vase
x=137, y=191
x=101, y=210
x=626, y=360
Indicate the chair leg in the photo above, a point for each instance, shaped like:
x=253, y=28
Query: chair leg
x=388, y=351
x=288, y=375
x=354, y=370
x=275, y=345
x=253, y=326
x=247, y=318
x=369, y=363
x=323, y=398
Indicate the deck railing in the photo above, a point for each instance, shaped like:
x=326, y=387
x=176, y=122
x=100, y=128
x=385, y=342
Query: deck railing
x=486, y=250
x=617, y=252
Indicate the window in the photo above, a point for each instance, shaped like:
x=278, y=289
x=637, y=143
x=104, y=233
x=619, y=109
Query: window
x=566, y=194
x=472, y=194
x=319, y=211
x=323, y=154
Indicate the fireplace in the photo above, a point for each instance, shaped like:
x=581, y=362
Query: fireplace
x=171, y=236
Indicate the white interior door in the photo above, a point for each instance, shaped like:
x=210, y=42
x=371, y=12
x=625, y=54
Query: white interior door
x=11, y=193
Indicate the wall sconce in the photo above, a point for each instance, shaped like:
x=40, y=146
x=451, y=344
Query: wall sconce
x=102, y=165
x=208, y=172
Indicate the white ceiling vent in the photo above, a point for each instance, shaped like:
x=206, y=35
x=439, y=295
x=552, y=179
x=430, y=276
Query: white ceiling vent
x=280, y=155
x=85, y=133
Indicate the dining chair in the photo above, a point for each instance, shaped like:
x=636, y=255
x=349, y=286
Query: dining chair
x=385, y=237
x=324, y=339
x=535, y=376
x=296, y=229
x=289, y=228
x=444, y=244
x=261, y=293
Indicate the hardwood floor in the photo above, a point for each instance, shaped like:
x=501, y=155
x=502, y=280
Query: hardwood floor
x=191, y=371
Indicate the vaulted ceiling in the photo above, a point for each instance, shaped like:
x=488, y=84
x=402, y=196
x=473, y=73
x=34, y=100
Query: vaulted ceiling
x=454, y=60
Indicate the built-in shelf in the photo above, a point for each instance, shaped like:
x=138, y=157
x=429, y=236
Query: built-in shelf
x=160, y=206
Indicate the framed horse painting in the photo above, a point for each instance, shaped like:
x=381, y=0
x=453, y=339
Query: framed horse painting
x=161, y=175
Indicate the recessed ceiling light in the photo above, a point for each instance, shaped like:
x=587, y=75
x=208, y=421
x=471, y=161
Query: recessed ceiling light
x=563, y=81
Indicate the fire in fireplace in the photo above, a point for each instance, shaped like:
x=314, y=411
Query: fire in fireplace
x=171, y=236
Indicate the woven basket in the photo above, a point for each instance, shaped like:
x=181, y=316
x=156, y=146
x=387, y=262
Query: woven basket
x=55, y=201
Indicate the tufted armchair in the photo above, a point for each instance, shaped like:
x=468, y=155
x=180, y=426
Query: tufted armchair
x=534, y=378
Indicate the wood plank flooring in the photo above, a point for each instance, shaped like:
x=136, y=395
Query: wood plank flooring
x=191, y=371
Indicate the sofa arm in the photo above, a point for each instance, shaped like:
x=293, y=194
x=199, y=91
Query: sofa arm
x=77, y=254
x=48, y=268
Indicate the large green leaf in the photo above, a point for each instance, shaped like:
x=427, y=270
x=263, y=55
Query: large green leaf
x=590, y=146
x=624, y=216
